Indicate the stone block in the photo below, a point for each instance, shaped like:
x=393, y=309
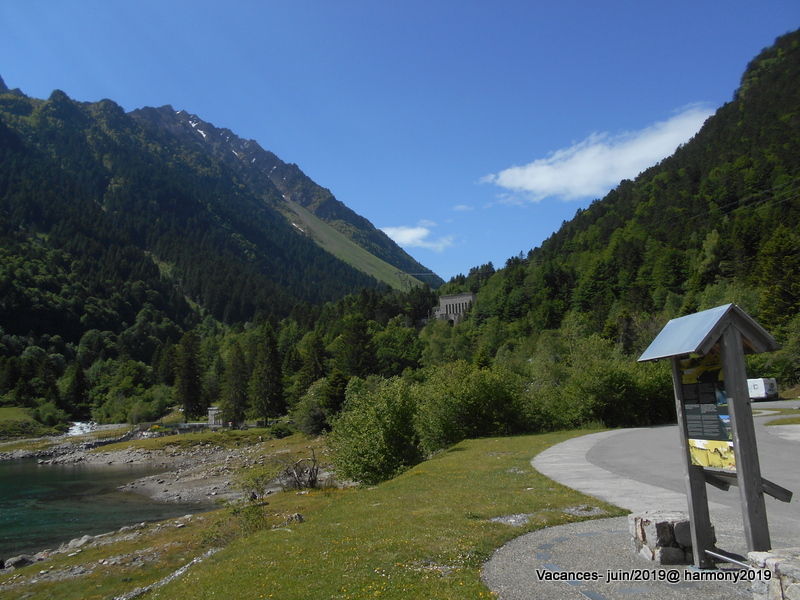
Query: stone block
x=775, y=589
x=791, y=569
x=760, y=590
x=670, y=556
x=655, y=536
x=784, y=565
x=767, y=590
x=633, y=525
x=792, y=592
x=23, y=560
x=758, y=559
x=683, y=533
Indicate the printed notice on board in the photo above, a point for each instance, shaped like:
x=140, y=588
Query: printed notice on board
x=705, y=408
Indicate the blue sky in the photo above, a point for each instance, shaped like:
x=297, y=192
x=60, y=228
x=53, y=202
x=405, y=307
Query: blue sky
x=469, y=131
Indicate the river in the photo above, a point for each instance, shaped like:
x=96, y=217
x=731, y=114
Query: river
x=43, y=506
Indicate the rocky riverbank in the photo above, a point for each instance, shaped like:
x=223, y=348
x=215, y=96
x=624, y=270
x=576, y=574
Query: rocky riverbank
x=203, y=474
x=198, y=474
x=64, y=444
x=206, y=474
x=42, y=572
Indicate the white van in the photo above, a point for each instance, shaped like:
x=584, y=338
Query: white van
x=763, y=389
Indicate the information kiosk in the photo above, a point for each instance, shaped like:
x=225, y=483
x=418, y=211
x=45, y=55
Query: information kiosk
x=715, y=421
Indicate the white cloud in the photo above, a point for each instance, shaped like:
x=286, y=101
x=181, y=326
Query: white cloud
x=597, y=164
x=462, y=207
x=418, y=236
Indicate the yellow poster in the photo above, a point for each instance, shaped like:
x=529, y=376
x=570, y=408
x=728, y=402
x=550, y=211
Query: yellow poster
x=713, y=454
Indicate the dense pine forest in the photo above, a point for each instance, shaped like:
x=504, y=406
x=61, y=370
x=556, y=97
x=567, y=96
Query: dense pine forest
x=127, y=287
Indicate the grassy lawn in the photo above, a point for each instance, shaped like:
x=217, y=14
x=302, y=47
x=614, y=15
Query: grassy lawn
x=424, y=534
x=785, y=421
x=16, y=422
x=14, y=413
x=784, y=416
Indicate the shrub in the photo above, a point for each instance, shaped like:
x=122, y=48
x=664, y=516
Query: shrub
x=299, y=474
x=151, y=405
x=50, y=415
x=459, y=401
x=280, y=430
x=254, y=482
x=590, y=381
x=373, y=438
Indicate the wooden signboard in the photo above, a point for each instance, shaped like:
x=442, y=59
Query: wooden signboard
x=715, y=421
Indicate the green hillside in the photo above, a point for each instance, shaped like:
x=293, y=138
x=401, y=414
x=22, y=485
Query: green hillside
x=716, y=222
x=267, y=177
x=345, y=249
x=93, y=201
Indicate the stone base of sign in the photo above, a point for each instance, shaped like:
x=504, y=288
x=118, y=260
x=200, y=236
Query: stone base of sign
x=663, y=537
x=784, y=574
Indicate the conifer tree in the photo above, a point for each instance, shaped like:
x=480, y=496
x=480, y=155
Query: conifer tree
x=265, y=389
x=76, y=396
x=188, y=376
x=356, y=357
x=234, y=390
x=333, y=394
x=779, y=272
x=313, y=357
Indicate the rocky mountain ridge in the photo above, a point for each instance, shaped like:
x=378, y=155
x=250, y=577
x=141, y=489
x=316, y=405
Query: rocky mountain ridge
x=269, y=177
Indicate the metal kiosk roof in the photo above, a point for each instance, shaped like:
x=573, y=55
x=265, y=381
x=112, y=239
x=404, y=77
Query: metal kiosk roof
x=700, y=332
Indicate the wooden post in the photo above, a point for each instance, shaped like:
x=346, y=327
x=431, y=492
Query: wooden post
x=748, y=469
x=699, y=517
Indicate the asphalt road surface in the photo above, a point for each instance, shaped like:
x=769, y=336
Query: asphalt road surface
x=641, y=469
x=652, y=456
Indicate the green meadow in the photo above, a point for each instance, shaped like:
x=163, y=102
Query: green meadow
x=423, y=534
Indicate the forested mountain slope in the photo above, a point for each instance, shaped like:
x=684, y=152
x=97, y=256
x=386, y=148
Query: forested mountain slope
x=716, y=222
x=104, y=214
x=264, y=174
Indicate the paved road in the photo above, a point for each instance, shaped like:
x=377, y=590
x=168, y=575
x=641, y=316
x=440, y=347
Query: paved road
x=651, y=456
x=640, y=469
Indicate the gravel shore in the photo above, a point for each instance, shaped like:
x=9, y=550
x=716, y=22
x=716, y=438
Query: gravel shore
x=203, y=473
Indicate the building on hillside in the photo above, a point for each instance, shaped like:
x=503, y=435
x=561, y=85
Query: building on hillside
x=215, y=416
x=452, y=308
